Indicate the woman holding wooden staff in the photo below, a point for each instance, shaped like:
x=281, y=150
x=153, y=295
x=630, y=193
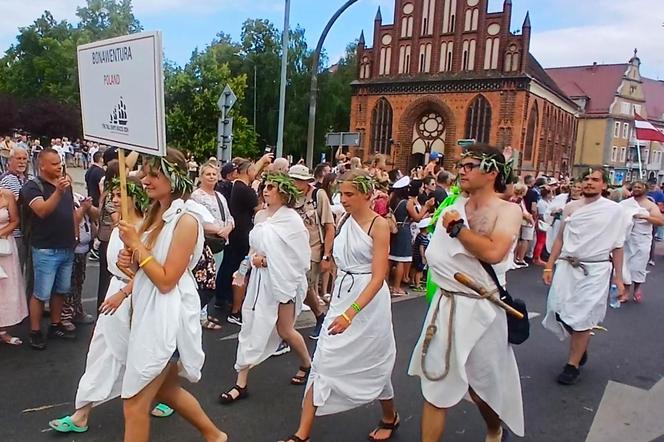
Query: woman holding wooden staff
x=165, y=340
x=356, y=351
x=107, y=355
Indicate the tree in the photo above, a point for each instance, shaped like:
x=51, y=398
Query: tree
x=40, y=69
x=191, y=105
x=102, y=19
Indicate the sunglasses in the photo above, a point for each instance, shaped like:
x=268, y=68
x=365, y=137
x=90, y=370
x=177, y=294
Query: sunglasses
x=467, y=167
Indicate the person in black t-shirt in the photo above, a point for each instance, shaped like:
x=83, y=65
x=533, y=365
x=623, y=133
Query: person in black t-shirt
x=52, y=240
x=243, y=203
x=93, y=177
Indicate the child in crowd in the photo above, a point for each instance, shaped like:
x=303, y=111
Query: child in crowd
x=419, y=247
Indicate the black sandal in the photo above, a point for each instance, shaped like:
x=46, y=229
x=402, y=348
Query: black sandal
x=295, y=438
x=226, y=398
x=382, y=425
x=301, y=380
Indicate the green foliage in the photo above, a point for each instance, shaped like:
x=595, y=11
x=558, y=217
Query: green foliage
x=39, y=72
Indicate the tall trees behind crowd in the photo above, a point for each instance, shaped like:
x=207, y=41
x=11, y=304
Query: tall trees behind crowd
x=39, y=83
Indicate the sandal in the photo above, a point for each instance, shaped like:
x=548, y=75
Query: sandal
x=398, y=293
x=382, y=425
x=295, y=438
x=301, y=379
x=66, y=425
x=211, y=323
x=162, y=410
x=6, y=338
x=227, y=398
x=638, y=296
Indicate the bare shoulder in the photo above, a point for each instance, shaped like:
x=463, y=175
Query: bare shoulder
x=187, y=222
x=507, y=210
x=379, y=223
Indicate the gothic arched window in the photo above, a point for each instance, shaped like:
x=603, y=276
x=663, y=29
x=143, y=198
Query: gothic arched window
x=478, y=120
x=533, y=122
x=381, y=127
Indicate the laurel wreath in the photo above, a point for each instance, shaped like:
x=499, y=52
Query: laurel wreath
x=179, y=178
x=489, y=163
x=136, y=192
x=285, y=184
x=365, y=184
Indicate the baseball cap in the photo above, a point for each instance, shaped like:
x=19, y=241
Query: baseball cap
x=228, y=168
x=435, y=156
x=300, y=172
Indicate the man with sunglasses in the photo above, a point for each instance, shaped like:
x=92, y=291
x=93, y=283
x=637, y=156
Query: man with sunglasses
x=468, y=352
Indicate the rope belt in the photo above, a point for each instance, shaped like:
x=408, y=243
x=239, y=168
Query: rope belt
x=578, y=263
x=352, y=281
x=432, y=329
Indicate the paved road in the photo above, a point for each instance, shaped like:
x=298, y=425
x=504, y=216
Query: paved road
x=629, y=353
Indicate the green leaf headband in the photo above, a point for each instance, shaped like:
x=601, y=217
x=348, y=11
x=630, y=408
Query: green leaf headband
x=489, y=163
x=136, y=192
x=285, y=184
x=365, y=184
x=179, y=178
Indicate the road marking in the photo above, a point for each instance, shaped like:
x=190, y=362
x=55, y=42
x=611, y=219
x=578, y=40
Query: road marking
x=44, y=407
x=628, y=413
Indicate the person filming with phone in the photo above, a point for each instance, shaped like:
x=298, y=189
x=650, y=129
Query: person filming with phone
x=49, y=203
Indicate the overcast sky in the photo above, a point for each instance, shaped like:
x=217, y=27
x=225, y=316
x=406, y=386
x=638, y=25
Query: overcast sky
x=565, y=32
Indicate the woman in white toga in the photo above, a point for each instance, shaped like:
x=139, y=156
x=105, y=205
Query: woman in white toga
x=356, y=351
x=165, y=340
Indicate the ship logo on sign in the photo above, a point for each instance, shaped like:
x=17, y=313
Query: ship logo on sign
x=118, y=118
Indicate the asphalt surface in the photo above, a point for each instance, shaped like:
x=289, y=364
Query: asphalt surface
x=39, y=386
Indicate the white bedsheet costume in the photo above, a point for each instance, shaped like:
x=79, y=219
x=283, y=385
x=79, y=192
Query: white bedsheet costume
x=105, y=364
x=558, y=203
x=165, y=322
x=481, y=358
x=284, y=241
x=580, y=297
x=637, y=243
x=354, y=368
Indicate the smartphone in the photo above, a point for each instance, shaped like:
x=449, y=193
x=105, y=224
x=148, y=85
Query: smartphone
x=268, y=149
x=64, y=168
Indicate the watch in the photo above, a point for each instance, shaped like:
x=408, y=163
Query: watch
x=456, y=228
x=326, y=258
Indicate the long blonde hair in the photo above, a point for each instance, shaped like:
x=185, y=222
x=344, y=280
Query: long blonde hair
x=154, y=222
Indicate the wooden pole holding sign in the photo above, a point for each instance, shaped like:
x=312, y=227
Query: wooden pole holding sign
x=124, y=199
x=124, y=202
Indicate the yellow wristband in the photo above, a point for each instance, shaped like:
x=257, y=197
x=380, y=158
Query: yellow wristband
x=145, y=261
x=345, y=316
x=548, y=270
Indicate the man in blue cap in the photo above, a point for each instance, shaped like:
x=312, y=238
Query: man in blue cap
x=433, y=167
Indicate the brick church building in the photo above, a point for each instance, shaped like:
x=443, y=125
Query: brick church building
x=448, y=70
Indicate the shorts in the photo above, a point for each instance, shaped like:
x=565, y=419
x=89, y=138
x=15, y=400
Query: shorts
x=313, y=276
x=419, y=264
x=527, y=233
x=52, y=272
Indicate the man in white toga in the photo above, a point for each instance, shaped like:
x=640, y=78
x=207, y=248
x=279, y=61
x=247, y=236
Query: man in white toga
x=587, y=253
x=469, y=355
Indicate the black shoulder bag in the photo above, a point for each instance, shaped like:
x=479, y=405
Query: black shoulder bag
x=215, y=242
x=518, y=330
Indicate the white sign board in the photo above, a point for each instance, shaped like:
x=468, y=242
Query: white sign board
x=122, y=92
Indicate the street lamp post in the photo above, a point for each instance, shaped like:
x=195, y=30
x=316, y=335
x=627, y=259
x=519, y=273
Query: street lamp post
x=313, y=94
x=282, y=90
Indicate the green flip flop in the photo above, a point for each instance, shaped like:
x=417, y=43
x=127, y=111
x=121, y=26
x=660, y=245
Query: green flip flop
x=66, y=425
x=162, y=410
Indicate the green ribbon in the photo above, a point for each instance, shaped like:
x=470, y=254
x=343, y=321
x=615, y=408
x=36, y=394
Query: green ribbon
x=455, y=191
